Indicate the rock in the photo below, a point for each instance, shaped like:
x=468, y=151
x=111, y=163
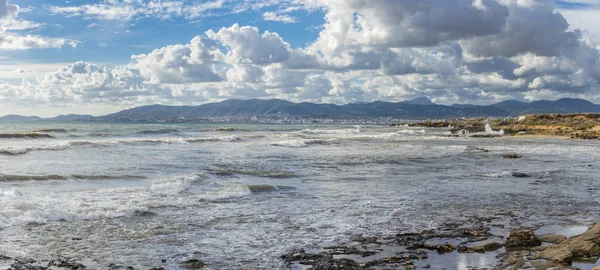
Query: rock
x=521, y=239
x=584, y=245
x=261, y=188
x=333, y=264
x=446, y=248
x=64, y=263
x=553, y=238
x=596, y=268
x=520, y=175
x=487, y=247
x=193, y=264
x=510, y=156
x=157, y=268
x=558, y=254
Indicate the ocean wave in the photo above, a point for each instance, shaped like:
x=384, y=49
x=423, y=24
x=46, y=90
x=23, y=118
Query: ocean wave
x=50, y=177
x=266, y=174
x=300, y=143
x=15, y=151
x=331, y=131
x=30, y=135
x=496, y=174
x=239, y=191
x=410, y=131
x=52, y=130
x=158, y=131
x=175, y=184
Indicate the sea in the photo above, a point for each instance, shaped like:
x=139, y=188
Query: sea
x=238, y=196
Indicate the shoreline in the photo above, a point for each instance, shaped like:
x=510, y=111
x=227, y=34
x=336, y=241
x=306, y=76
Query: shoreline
x=561, y=126
x=480, y=243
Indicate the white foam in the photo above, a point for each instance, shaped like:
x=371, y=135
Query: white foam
x=173, y=185
x=332, y=131
x=298, y=143
x=227, y=193
x=410, y=131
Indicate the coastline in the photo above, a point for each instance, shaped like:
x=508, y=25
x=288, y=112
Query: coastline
x=556, y=126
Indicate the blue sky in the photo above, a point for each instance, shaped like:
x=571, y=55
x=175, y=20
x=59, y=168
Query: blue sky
x=105, y=55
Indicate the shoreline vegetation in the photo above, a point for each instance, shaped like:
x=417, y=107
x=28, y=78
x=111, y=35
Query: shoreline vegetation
x=585, y=126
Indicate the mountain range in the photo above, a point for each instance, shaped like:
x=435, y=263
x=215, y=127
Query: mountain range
x=419, y=108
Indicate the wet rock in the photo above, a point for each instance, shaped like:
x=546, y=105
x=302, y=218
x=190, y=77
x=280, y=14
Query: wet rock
x=157, y=268
x=193, y=264
x=521, y=239
x=67, y=264
x=347, y=250
x=4, y=258
x=334, y=264
x=520, y=175
x=299, y=255
x=487, y=247
x=558, y=254
x=261, y=188
x=510, y=156
x=365, y=240
x=553, y=238
x=142, y=213
x=584, y=245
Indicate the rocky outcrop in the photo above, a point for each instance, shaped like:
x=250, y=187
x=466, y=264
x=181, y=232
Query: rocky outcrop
x=582, y=246
x=522, y=239
x=553, y=238
x=193, y=264
x=493, y=246
x=520, y=175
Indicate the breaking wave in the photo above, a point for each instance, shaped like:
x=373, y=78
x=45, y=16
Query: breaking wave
x=300, y=143
x=15, y=151
x=331, y=131
x=158, y=131
x=52, y=130
x=50, y=177
x=30, y=135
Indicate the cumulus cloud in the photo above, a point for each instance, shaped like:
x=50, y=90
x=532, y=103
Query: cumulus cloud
x=246, y=45
x=194, y=62
x=454, y=51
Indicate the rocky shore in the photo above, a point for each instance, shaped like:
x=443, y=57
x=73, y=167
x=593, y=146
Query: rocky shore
x=440, y=249
x=574, y=126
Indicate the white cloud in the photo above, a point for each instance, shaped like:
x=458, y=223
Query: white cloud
x=454, y=51
x=194, y=62
x=10, y=41
x=130, y=9
x=284, y=18
x=246, y=45
x=15, y=42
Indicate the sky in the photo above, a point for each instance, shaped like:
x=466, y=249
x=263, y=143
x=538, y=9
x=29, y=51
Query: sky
x=99, y=57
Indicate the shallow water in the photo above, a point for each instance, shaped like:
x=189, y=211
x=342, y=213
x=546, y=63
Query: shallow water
x=134, y=194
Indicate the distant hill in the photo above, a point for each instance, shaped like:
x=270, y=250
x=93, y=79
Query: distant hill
x=420, y=101
x=563, y=105
x=257, y=107
x=18, y=118
x=419, y=108
x=70, y=117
